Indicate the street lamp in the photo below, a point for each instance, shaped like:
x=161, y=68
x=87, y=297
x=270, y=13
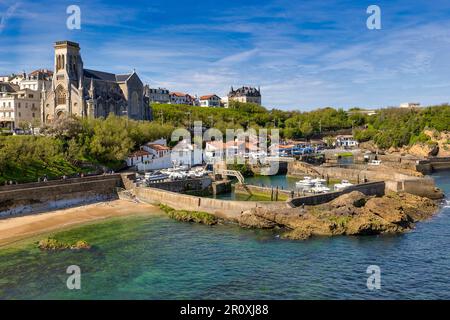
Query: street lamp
x=189, y=123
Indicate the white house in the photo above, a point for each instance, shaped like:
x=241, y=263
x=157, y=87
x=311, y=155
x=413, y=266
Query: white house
x=38, y=80
x=211, y=100
x=409, y=105
x=346, y=141
x=157, y=155
x=138, y=157
x=219, y=150
x=186, y=154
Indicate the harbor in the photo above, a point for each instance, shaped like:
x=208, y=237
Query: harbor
x=219, y=259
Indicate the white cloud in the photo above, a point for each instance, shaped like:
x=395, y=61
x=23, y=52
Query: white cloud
x=8, y=14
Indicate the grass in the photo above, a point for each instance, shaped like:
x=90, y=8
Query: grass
x=341, y=221
x=344, y=154
x=189, y=216
x=262, y=196
x=32, y=172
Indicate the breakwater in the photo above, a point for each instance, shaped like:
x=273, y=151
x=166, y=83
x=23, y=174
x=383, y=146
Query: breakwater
x=221, y=208
x=376, y=188
x=431, y=165
x=369, y=189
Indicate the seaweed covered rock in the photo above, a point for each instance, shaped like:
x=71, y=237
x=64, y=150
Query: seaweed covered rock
x=51, y=244
x=190, y=216
x=350, y=214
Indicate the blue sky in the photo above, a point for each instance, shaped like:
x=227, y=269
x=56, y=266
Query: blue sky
x=303, y=54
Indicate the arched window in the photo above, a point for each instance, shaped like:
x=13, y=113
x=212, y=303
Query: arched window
x=60, y=95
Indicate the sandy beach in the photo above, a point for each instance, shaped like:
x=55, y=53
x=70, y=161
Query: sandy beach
x=18, y=228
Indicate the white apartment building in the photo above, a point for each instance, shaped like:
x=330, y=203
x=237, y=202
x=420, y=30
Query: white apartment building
x=18, y=107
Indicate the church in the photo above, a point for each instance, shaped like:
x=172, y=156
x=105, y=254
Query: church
x=89, y=93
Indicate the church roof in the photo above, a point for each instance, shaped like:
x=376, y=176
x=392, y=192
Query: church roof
x=122, y=77
x=106, y=76
x=99, y=75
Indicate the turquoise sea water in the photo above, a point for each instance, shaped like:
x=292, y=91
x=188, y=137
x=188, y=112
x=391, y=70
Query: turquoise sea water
x=157, y=258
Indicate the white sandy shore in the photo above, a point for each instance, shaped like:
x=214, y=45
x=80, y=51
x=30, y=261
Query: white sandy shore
x=18, y=228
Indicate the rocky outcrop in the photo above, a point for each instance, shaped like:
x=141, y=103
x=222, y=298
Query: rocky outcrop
x=437, y=146
x=350, y=214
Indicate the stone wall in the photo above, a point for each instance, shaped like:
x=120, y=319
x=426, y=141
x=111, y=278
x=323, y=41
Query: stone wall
x=181, y=186
x=45, y=196
x=442, y=163
x=369, y=189
x=424, y=187
x=219, y=187
x=283, y=194
x=221, y=208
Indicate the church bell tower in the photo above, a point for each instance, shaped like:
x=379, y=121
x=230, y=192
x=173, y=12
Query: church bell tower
x=68, y=74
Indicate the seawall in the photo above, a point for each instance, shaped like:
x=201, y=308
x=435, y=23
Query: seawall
x=395, y=181
x=46, y=196
x=221, y=208
x=369, y=189
x=433, y=164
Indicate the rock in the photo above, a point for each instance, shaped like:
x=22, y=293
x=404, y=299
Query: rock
x=81, y=245
x=368, y=224
x=417, y=208
x=354, y=198
x=248, y=219
x=350, y=214
x=297, y=234
x=434, y=151
x=51, y=244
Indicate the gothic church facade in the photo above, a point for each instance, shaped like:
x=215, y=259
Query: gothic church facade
x=89, y=93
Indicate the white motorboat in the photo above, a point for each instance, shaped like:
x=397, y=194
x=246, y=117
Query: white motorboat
x=318, y=180
x=343, y=185
x=375, y=162
x=307, y=182
x=320, y=188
